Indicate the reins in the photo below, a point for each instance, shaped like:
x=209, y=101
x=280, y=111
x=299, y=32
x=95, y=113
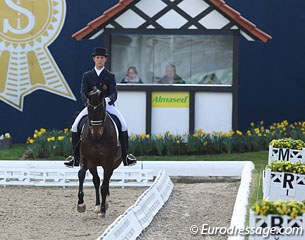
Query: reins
x=96, y=106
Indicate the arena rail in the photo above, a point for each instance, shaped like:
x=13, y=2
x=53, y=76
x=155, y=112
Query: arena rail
x=46, y=173
x=136, y=218
x=130, y=224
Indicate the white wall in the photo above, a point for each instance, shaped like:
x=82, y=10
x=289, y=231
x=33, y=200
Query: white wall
x=175, y=120
x=213, y=111
x=133, y=107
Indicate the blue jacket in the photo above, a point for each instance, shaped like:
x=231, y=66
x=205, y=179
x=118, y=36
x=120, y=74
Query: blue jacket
x=90, y=79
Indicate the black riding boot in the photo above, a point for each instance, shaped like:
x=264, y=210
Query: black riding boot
x=74, y=159
x=128, y=159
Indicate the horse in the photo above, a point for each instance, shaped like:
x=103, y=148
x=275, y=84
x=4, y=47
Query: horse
x=99, y=147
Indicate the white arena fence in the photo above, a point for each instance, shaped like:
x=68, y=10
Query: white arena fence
x=54, y=173
x=146, y=173
x=136, y=218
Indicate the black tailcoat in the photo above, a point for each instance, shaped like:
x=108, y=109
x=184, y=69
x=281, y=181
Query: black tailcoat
x=91, y=79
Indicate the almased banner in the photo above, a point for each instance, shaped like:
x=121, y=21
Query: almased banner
x=170, y=112
x=27, y=28
x=170, y=99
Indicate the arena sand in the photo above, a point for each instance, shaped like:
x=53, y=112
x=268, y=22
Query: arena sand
x=29, y=213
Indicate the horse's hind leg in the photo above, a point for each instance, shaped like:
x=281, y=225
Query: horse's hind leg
x=105, y=190
x=96, y=182
x=81, y=206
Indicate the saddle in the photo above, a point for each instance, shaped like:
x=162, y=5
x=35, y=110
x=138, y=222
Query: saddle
x=114, y=118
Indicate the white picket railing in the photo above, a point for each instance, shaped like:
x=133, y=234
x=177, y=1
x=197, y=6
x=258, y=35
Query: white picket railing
x=58, y=175
x=136, y=218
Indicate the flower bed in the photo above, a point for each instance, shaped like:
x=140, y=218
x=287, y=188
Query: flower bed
x=45, y=143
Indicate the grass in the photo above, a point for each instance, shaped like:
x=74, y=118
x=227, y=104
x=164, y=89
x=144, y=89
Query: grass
x=13, y=153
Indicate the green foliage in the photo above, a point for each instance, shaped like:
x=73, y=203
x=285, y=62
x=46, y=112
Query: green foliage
x=15, y=152
x=49, y=144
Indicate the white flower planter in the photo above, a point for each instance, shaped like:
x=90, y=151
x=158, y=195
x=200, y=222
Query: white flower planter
x=286, y=154
x=263, y=227
x=283, y=185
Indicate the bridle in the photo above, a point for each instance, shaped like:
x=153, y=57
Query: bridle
x=97, y=122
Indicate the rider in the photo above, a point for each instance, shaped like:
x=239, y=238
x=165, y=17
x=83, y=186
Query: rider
x=96, y=77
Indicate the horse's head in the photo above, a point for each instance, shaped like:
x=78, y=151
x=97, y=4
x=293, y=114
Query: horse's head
x=96, y=112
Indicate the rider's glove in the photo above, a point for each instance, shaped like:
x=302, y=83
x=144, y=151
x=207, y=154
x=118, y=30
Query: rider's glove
x=108, y=101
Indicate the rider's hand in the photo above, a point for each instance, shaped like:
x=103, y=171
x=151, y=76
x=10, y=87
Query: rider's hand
x=108, y=100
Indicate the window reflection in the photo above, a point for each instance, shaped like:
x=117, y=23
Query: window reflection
x=205, y=59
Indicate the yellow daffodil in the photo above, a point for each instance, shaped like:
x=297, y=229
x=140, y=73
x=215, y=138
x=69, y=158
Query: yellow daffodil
x=60, y=138
x=7, y=135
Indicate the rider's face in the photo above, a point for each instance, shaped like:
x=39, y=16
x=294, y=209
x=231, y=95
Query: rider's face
x=99, y=61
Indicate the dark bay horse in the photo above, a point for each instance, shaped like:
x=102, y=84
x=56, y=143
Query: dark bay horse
x=99, y=147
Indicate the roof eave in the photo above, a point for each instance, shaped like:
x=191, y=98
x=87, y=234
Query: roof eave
x=95, y=25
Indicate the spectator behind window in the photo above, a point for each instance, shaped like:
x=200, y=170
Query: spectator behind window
x=131, y=76
x=171, y=77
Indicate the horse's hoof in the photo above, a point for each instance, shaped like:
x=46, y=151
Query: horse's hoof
x=101, y=215
x=97, y=209
x=81, y=208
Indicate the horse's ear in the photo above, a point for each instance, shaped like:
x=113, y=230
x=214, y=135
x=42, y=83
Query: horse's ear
x=91, y=92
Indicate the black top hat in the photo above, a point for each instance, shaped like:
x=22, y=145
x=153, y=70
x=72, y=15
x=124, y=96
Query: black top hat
x=99, y=51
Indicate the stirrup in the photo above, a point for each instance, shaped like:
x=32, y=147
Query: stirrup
x=131, y=160
x=70, y=161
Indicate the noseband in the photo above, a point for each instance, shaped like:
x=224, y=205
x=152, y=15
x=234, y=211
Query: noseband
x=97, y=122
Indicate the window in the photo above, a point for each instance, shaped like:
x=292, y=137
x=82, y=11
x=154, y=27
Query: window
x=198, y=59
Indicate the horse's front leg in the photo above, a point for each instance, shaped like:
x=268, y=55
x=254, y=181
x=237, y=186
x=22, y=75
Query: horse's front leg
x=105, y=190
x=81, y=206
x=96, y=181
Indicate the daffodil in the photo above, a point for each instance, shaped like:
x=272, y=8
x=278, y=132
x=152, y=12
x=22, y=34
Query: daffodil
x=7, y=135
x=60, y=138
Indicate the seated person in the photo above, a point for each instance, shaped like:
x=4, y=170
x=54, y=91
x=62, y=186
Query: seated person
x=131, y=76
x=171, y=77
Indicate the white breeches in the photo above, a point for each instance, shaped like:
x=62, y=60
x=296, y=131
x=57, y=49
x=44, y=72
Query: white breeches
x=109, y=108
